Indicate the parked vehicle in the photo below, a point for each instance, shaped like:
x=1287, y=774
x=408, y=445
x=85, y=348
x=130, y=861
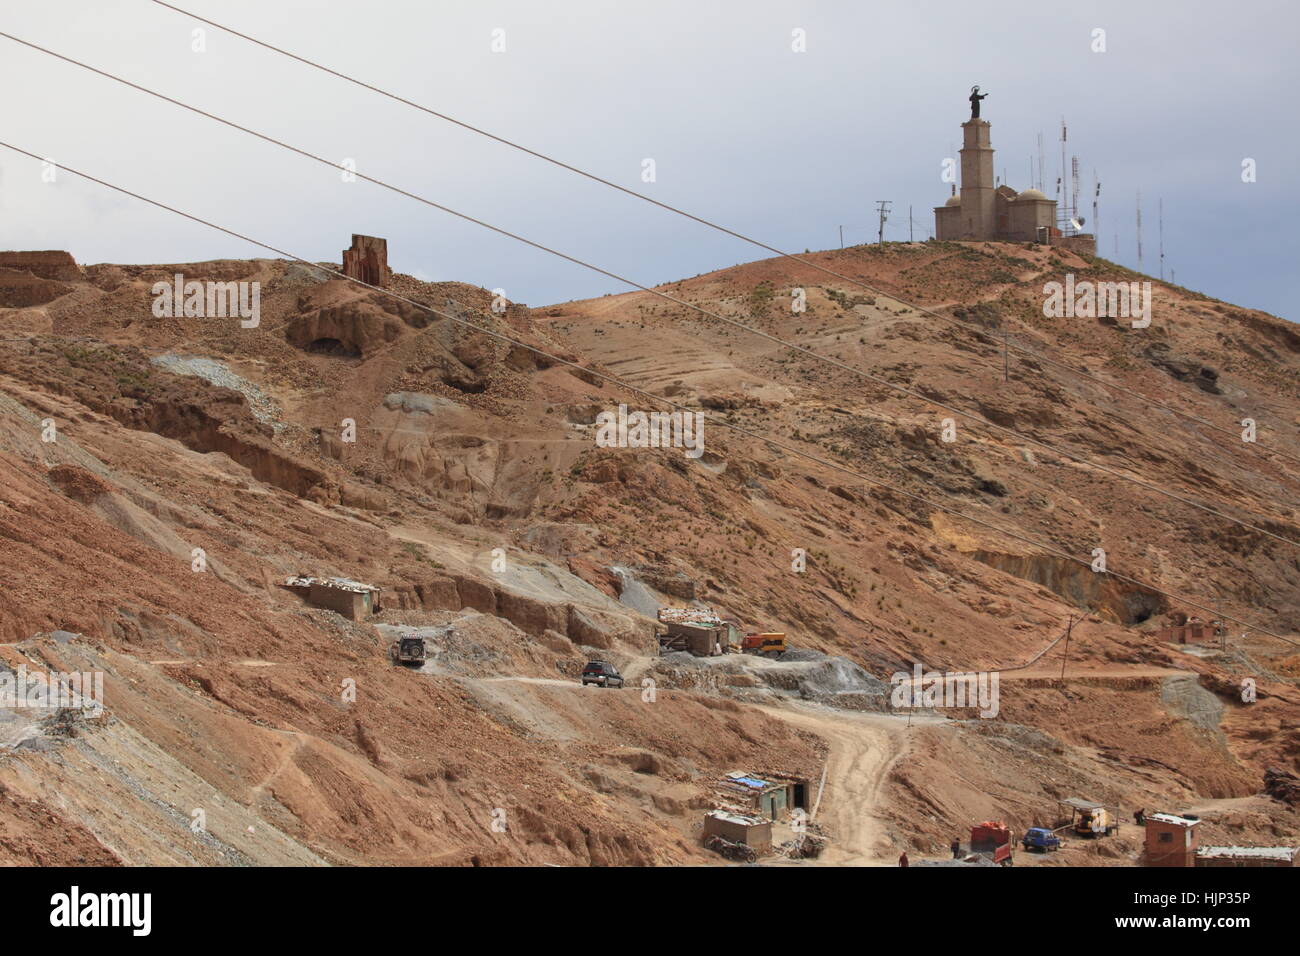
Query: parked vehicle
x=993, y=840
x=408, y=650
x=602, y=673
x=768, y=645
x=1040, y=838
x=1091, y=819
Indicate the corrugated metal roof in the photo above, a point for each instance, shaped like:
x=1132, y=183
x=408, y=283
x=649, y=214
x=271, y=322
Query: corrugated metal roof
x=1248, y=852
x=1173, y=818
x=735, y=818
x=339, y=584
x=1080, y=804
x=701, y=616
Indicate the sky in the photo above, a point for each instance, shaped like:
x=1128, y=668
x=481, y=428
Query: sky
x=782, y=145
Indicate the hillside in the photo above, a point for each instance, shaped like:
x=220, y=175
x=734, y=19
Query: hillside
x=475, y=495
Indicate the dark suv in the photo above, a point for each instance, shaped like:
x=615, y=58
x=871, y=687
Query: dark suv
x=602, y=673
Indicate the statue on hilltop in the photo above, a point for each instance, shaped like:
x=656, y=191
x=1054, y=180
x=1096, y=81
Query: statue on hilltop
x=975, y=97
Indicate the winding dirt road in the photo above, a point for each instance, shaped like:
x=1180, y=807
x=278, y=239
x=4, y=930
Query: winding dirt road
x=863, y=749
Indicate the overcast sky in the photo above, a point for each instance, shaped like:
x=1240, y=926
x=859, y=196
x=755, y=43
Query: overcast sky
x=781, y=145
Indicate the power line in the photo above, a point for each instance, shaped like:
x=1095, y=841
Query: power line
x=709, y=223
x=775, y=443
x=971, y=416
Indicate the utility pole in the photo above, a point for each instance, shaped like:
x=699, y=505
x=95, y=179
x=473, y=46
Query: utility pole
x=910, y=223
x=1160, y=207
x=841, y=237
x=1006, y=373
x=1068, y=629
x=883, y=209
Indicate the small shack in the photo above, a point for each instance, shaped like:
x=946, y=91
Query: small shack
x=738, y=828
x=1170, y=840
x=1181, y=629
x=768, y=796
x=352, y=599
x=1246, y=856
x=698, y=631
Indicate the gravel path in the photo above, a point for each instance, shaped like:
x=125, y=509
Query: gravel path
x=264, y=408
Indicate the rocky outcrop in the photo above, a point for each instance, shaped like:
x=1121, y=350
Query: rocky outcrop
x=1183, y=368
x=1283, y=786
x=20, y=290
x=586, y=626
x=354, y=330
x=52, y=264
x=1112, y=599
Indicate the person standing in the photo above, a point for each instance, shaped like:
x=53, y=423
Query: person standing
x=956, y=848
x=902, y=859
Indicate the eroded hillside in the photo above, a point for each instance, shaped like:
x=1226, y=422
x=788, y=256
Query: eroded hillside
x=474, y=494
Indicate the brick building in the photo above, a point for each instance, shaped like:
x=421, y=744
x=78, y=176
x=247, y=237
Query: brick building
x=1170, y=840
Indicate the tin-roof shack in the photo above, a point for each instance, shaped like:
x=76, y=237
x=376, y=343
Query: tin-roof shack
x=768, y=796
x=352, y=599
x=737, y=828
x=699, y=631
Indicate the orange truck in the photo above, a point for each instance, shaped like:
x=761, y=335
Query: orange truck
x=992, y=839
x=769, y=645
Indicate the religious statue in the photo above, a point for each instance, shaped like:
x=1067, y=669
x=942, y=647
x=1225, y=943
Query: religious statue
x=975, y=97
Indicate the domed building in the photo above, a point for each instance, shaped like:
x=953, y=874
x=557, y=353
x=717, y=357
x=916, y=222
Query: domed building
x=984, y=212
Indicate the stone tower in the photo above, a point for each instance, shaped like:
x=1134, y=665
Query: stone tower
x=978, y=208
x=983, y=213
x=367, y=260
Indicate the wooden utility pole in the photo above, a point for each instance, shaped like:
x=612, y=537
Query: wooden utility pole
x=1160, y=213
x=1068, y=630
x=883, y=209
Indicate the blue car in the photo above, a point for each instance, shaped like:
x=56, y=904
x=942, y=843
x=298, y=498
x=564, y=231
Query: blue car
x=1040, y=838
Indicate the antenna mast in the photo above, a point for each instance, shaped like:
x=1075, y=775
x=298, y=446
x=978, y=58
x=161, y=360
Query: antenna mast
x=1042, y=182
x=1074, y=188
x=1096, y=194
x=1139, y=229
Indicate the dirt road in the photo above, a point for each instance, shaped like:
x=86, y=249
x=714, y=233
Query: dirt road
x=864, y=748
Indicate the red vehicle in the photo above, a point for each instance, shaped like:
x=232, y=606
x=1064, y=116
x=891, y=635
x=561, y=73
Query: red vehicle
x=992, y=839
